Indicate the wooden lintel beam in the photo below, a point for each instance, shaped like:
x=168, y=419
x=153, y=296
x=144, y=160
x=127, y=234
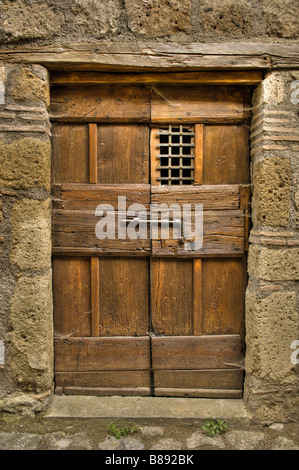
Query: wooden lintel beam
x=191, y=78
x=158, y=57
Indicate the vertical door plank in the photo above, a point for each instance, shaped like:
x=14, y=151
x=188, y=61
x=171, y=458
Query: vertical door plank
x=223, y=287
x=155, y=162
x=123, y=153
x=197, y=263
x=93, y=150
x=226, y=157
x=198, y=163
x=95, y=296
x=71, y=283
x=197, y=297
x=70, y=153
x=171, y=296
x=124, y=297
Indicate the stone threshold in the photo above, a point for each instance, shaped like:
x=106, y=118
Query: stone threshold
x=145, y=407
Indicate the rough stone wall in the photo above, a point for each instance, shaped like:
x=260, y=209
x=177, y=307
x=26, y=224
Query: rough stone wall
x=48, y=21
x=271, y=386
x=25, y=233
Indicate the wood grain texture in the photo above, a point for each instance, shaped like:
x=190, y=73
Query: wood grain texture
x=72, y=301
x=88, y=196
x=70, y=153
x=223, y=299
x=228, y=379
x=96, y=354
x=197, y=393
x=199, y=154
x=223, y=235
x=253, y=77
x=95, y=301
x=107, y=391
x=197, y=297
x=171, y=296
x=213, y=197
x=196, y=352
x=123, y=154
x=172, y=104
x=226, y=155
x=123, y=296
x=93, y=150
x=103, y=379
x=155, y=56
x=155, y=162
x=100, y=104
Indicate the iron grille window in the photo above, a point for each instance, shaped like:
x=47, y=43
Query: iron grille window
x=176, y=155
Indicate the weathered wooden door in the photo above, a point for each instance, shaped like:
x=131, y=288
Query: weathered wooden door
x=137, y=312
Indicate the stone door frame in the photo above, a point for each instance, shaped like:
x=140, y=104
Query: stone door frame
x=25, y=179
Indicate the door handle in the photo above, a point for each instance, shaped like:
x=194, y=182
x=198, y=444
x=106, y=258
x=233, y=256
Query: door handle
x=175, y=222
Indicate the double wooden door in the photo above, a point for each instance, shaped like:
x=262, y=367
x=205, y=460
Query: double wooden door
x=137, y=313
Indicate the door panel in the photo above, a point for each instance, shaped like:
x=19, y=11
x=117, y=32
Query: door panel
x=226, y=155
x=223, y=299
x=171, y=297
x=123, y=296
x=123, y=153
x=70, y=153
x=135, y=315
x=72, y=302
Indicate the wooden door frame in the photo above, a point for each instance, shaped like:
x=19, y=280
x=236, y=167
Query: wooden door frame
x=241, y=78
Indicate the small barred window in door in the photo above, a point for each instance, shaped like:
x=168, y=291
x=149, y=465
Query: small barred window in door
x=175, y=155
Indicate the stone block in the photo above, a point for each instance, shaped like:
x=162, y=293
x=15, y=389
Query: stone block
x=272, y=264
x=29, y=84
x=275, y=90
x=30, y=351
x=91, y=17
x=152, y=18
x=271, y=191
x=271, y=325
x=30, y=20
x=25, y=163
x=230, y=19
x=31, y=234
x=281, y=18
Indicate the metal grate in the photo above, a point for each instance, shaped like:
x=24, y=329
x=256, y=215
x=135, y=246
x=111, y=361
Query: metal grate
x=176, y=155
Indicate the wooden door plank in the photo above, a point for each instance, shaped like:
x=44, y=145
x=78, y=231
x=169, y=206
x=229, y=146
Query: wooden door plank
x=199, y=155
x=95, y=296
x=93, y=151
x=213, y=197
x=95, y=354
x=70, y=153
x=111, y=379
x=154, y=141
x=252, y=77
x=171, y=296
x=89, y=196
x=123, y=153
x=72, y=303
x=124, y=296
x=223, y=235
x=223, y=299
x=226, y=154
x=172, y=104
x=230, y=379
x=196, y=352
x=107, y=391
x=105, y=103
x=197, y=297
x=197, y=393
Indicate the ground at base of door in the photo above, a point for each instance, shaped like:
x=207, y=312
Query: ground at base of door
x=44, y=433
